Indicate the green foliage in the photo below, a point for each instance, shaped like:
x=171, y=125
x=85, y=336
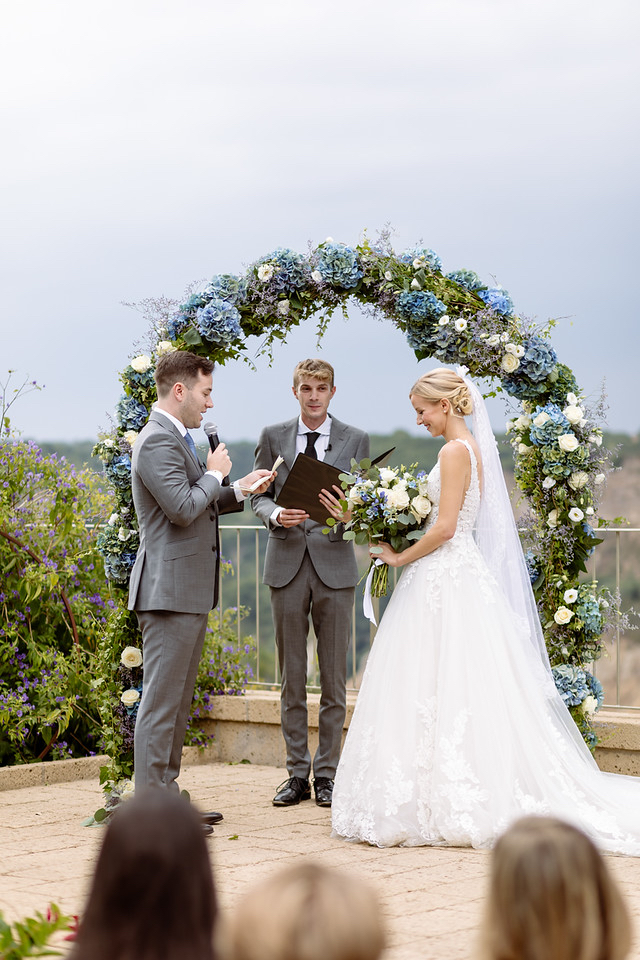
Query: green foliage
x=30, y=937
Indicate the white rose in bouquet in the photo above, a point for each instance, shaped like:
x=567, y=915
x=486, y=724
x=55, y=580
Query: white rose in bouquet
x=397, y=497
x=387, y=475
x=131, y=657
x=420, y=507
x=355, y=494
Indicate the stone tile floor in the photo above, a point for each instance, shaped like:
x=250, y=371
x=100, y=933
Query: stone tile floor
x=432, y=897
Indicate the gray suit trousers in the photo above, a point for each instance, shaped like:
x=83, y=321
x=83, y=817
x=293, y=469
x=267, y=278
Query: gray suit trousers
x=330, y=611
x=172, y=645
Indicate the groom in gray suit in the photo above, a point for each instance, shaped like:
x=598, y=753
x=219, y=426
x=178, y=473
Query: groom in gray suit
x=310, y=574
x=174, y=581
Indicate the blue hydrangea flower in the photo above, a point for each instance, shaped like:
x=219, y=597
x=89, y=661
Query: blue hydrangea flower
x=539, y=359
x=131, y=414
x=551, y=429
x=588, y=610
x=219, y=322
x=595, y=688
x=118, y=471
x=176, y=325
x=571, y=683
x=117, y=567
x=339, y=265
x=497, y=300
x=532, y=565
x=430, y=257
x=227, y=286
x=468, y=279
x=417, y=305
x=291, y=270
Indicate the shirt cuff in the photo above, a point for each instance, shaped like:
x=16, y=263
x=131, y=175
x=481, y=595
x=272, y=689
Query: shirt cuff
x=273, y=518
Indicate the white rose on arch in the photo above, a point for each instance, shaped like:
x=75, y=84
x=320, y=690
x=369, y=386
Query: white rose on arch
x=265, y=272
x=131, y=657
x=589, y=705
x=568, y=442
x=283, y=307
x=141, y=363
x=578, y=479
x=541, y=419
x=552, y=519
x=129, y=697
x=563, y=615
x=509, y=363
x=573, y=413
x=165, y=346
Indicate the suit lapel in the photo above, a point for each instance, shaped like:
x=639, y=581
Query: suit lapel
x=337, y=440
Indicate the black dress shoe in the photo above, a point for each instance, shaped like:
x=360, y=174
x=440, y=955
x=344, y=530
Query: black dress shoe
x=207, y=829
x=212, y=817
x=323, y=787
x=292, y=791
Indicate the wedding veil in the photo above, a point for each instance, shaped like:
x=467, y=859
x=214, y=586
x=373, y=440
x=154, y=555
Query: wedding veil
x=496, y=531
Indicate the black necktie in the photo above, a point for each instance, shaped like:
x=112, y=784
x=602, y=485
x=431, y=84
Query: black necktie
x=311, y=445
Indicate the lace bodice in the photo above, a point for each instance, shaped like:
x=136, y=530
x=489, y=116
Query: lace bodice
x=471, y=505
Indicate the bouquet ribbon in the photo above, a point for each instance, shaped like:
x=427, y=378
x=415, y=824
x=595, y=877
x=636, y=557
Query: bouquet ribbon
x=367, y=601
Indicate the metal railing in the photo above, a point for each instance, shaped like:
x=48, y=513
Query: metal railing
x=244, y=546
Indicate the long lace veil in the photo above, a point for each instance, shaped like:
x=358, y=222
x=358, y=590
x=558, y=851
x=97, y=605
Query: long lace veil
x=496, y=531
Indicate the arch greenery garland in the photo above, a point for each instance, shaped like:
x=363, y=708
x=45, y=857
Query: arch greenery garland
x=560, y=463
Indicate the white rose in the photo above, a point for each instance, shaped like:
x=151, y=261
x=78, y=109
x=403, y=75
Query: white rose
x=573, y=414
x=570, y=596
x=265, y=271
x=398, y=498
x=541, y=419
x=509, y=363
x=552, y=519
x=493, y=340
x=589, y=705
x=524, y=448
x=421, y=507
x=562, y=615
x=113, y=519
x=548, y=482
x=129, y=697
x=316, y=276
x=165, y=346
x=415, y=285
x=130, y=436
x=599, y=478
x=387, y=474
x=568, y=442
x=388, y=275
x=572, y=400
x=329, y=240
x=283, y=307
x=141, y=363
x=576, y=515
x=460, y=324
x=131, y=657
x=578, y=479
x=444, y=320
x=355, y=495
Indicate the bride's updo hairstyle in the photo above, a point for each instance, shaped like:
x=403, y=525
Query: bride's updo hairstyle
x=444, y=384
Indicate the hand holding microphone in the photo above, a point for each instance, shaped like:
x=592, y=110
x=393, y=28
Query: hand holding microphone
x=218, y=458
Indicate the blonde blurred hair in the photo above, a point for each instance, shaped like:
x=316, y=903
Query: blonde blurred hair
x=444, y=384
x=552, y=897
x=307, y=912
x=315, y=369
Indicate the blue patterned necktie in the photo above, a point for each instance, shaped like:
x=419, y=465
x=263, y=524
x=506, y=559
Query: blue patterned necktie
x=190, y=443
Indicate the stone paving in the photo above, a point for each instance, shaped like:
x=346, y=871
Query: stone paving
x=431, y=897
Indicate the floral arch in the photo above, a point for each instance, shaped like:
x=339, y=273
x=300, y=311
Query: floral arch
x=560, y=464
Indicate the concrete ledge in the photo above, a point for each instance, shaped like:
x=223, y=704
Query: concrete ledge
x=619, y=734
x=50, y=771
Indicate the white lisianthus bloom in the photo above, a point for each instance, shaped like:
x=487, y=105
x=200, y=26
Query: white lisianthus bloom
x=524, y=448
x=265, y=272
x=397, y=497
x=418, y=263
x=576, y=515
x=515, y=349
x=552, y=519
x=523, y=422
x=283, y=307
x=509, y=363
x=548, y=482
x=113, y=519
x=420, y=507
x=329, y=240
x=316, y=276
x=444, y=320
x=568, y=442
x=604, y=604
x=460, y=324
x=165, y=346
x=589, y=705
x=589, y=511
x=541, y=419
x=596, y=439
x=131, y=657
x=109, y=442
x=563, y=615
x=599, y=478
x=572, y=400
x=130, y=436
x=387, y=474
x=570, y=596
x=141, y=363
x=388, y=275
x=129, y=697
x=578, y=479
x=504, y=338
x=573, y=414
x=415, y=284
x=493, y=340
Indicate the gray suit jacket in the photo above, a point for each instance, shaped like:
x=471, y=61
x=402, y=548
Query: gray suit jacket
x=332, y=557
x=177, y=505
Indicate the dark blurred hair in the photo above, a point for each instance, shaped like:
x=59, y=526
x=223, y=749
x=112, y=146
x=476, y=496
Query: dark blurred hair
x=181, y=366
x=551, y=897
x=152, y=896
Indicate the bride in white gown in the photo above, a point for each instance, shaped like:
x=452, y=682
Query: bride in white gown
x=458, y=728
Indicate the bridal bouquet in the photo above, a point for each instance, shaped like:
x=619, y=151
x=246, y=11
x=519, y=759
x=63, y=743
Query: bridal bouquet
x=386, y=503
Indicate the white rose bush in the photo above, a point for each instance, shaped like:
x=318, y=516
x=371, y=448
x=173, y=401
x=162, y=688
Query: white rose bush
x=453, y=317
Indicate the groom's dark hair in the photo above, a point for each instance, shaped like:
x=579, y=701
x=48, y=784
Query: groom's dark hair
x=181, y=366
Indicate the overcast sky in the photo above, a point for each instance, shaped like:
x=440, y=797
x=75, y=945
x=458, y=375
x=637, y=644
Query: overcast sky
x=147, y=145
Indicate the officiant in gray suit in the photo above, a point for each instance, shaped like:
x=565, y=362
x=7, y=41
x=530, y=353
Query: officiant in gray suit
x=174, y=581
x=310, y=575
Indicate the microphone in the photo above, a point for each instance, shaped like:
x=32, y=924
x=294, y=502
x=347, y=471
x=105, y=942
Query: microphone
x=328, y=447
x=211, y=431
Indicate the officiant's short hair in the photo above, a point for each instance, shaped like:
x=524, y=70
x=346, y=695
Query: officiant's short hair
x=315, y=369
